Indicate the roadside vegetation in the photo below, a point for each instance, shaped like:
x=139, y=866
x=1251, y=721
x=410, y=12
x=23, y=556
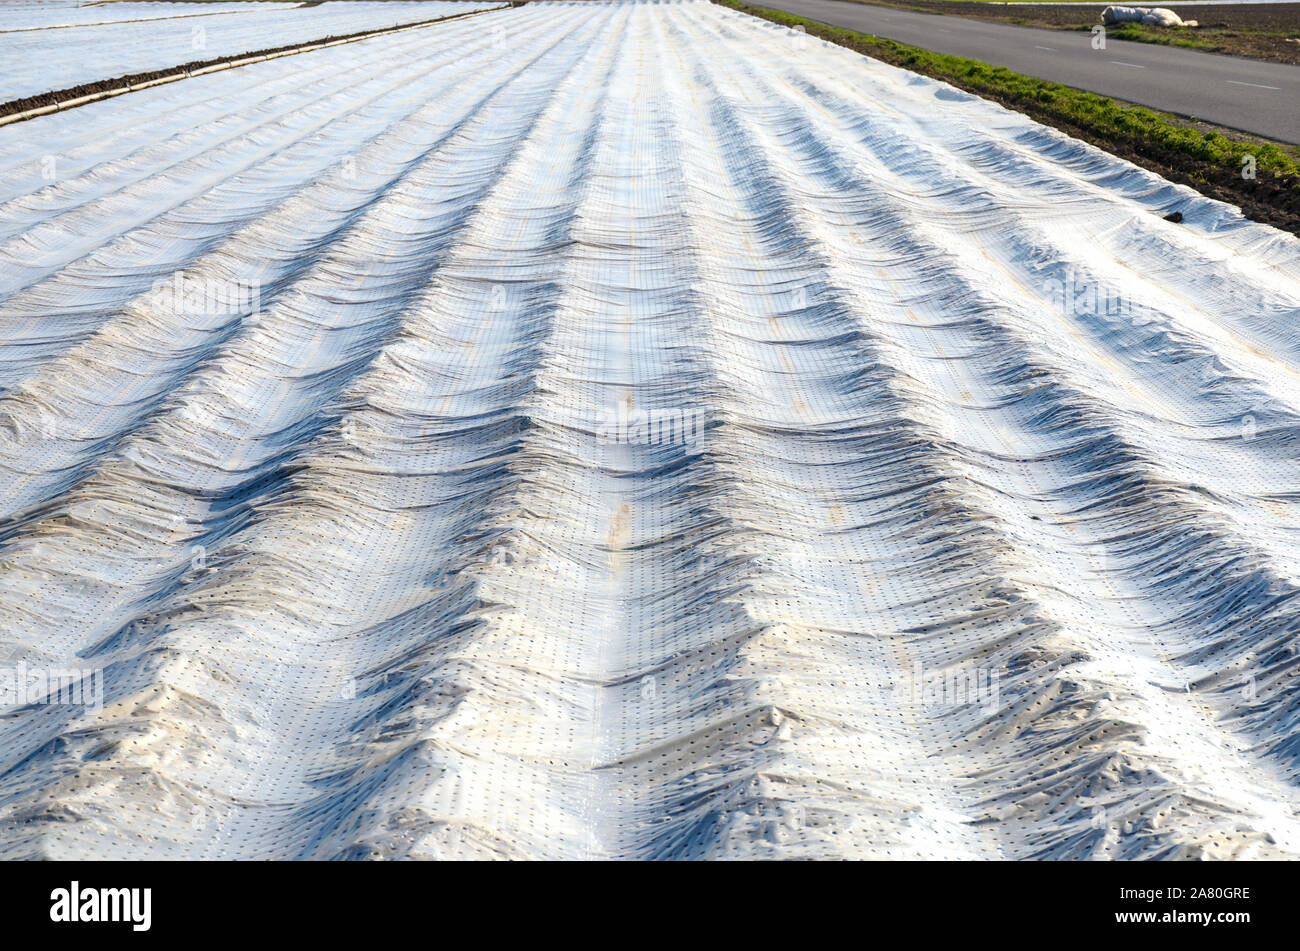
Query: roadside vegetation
x=1208, y=159
x=1164, y=36
x=1267, y=31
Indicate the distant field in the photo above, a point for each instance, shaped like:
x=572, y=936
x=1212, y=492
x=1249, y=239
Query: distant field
x=1266, y=31
x=1165, y=3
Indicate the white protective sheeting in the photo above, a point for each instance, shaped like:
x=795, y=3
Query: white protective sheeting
x=657, y=434
x=22, y=15
x=127, y=38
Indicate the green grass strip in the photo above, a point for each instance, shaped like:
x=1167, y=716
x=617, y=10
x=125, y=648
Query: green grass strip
x=1139, y=33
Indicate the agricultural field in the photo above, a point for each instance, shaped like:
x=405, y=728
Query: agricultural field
x=628, y=430
x=43, y=48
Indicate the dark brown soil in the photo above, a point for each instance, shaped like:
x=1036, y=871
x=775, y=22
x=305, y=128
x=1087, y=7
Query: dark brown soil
x=1256, y=30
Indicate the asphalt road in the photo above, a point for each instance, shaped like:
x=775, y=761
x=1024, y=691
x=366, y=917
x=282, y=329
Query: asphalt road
x=1254, y=96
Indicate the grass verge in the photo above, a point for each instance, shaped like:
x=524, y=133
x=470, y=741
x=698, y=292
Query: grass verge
x=1168, y=36
x=1209, y=160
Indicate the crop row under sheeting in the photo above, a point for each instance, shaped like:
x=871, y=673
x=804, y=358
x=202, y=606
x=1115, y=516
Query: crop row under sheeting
x=34, y=61
x=24, y=15
x=648, y=433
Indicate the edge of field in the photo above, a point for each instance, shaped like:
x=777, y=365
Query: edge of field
x=1208, y=158
x=38, y=104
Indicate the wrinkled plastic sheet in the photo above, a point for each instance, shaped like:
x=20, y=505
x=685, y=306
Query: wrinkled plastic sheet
x=635, y=431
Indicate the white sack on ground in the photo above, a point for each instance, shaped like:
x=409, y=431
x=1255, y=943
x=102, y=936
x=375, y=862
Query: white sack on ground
x=1151, y=16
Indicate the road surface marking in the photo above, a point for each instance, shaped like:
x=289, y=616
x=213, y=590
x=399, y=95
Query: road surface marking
x=1134, y=65
x=1050, y=49
x=1237, y=82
